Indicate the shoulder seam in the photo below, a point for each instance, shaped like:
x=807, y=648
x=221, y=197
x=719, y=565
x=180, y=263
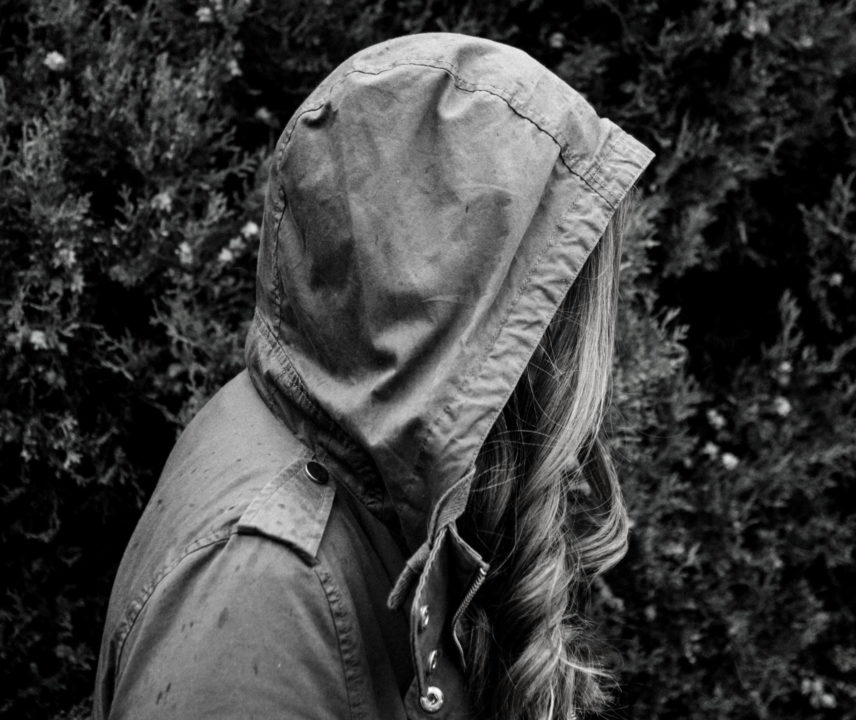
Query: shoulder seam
x=136, y=606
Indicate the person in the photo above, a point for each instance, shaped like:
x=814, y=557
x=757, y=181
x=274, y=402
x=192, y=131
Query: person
x=395, y=510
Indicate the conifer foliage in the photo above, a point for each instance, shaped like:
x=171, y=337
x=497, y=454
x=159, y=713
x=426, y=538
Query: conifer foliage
x=134, y=136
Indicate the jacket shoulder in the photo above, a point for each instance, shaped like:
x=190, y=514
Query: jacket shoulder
x=237, y=467
x=235, y=480
x=226, y=634
x=293, y=508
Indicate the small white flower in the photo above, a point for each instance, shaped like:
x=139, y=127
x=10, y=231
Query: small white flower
x=162, y=201
x=264, y=115
x=782, y=406
x=836, y=279
x=55, y=61
x=250, y=230
x=556, y=40
x=730, y=461
x=185, y=253
x=39, y=340
x=783, y=373
x=715, y=419
x=226, y=256
x=205, y=15
x=806, y=42
x=234, y=68
x=710, y=449
x=827, y=700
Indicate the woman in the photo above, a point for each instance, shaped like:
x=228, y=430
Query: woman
x=392, y=511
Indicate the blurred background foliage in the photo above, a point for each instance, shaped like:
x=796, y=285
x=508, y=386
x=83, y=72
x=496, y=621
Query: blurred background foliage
x=133, y=143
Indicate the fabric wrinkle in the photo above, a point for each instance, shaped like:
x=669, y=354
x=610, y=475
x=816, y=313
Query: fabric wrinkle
x=429, y=206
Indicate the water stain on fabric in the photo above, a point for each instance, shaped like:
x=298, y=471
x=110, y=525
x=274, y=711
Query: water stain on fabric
x=332, y=264
x=163, y=693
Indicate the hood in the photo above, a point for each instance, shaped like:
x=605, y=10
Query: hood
x=428, y=207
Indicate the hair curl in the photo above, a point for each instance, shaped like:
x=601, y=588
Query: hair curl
x=546, y=511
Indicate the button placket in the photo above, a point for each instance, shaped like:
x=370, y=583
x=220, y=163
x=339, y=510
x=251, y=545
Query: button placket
x=428, y=622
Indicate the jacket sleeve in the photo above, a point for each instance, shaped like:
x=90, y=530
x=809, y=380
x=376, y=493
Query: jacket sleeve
x=240, y=628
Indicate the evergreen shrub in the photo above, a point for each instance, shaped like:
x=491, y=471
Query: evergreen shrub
x=134, y=136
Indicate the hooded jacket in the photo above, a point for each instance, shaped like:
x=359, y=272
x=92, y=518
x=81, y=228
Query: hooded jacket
x=428, y=207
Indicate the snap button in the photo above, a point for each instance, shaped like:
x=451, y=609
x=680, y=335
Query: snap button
x=432, y=700
x=431, y=665
x=316, y=472
x=424, y=617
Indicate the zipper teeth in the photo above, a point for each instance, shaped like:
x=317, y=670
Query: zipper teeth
x=477, y=583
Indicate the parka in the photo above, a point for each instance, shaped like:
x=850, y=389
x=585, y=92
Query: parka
x=427, y=209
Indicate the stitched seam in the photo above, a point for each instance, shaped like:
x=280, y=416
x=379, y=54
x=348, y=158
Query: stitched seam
x=138, y=604
x=348, y=647
x=265, y=494
x=518, y=108
x=279, y=159
x=523, y=110
x=596, y=177
x=322, y=511
x=295, y=383
x=467, y=381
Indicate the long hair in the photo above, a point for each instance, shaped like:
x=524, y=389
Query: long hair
x=546, y=511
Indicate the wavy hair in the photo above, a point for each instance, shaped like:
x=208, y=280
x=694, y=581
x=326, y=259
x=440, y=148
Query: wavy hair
x=546, y=511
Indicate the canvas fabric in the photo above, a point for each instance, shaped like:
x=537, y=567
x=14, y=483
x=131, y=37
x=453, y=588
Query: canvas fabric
x=428, y=207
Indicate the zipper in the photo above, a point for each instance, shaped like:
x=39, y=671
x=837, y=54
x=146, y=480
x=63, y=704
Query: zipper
x=474, y=587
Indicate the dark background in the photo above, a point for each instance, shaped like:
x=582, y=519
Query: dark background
x=133, y=146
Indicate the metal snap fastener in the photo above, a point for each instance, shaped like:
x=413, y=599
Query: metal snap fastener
x=432, y=700
x=316, y=472
x=424, y=617
x=431, y=665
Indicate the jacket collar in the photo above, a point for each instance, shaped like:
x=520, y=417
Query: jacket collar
x=438, y=580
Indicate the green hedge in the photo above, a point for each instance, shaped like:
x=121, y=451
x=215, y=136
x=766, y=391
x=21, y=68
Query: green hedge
x=133, y=146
